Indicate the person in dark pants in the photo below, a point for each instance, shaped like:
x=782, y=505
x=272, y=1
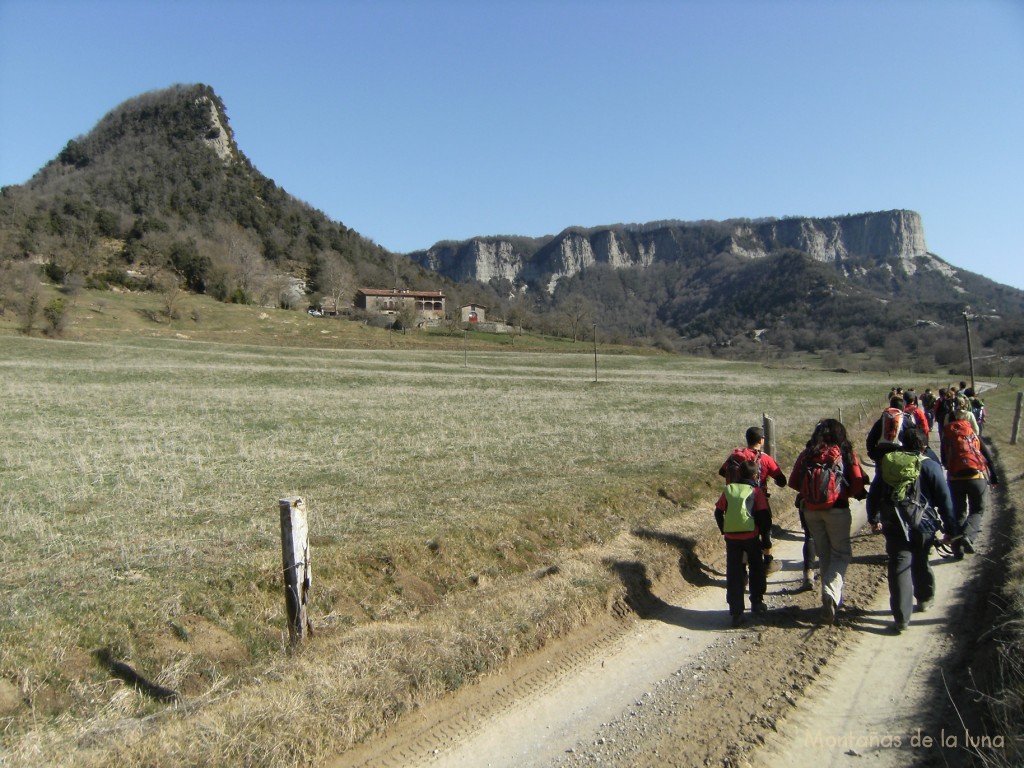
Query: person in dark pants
x=767, y=468
x=907, y=545
x=970, y=471
x=809, y=555
x=744, y=519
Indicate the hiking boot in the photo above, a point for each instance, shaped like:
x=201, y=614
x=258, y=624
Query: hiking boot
x=923, y=606
x=737, y=619
x=759, y=608
x=772, y=566
x=828, y=610
x=898, y=627
x=967, y=546
x=808, y=584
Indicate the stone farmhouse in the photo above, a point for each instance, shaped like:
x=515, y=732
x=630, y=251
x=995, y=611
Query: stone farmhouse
x=429, y=305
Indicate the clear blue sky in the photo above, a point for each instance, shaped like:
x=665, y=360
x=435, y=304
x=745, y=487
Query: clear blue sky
x=413, y=122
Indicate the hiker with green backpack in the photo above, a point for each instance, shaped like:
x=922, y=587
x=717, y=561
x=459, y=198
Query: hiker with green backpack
x=909, y=502
x=744, y=519
x=767, y=468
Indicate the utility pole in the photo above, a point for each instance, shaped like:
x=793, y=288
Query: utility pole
x=970, y=351
x=595, y=353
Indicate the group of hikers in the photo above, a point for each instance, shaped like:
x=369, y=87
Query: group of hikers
x=917, y=499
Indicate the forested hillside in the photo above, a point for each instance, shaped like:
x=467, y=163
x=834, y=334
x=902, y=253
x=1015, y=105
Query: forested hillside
x=159, y=188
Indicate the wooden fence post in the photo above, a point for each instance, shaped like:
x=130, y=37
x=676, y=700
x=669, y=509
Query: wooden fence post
x=769, y=435
x=297, y=570
x=1016, y=419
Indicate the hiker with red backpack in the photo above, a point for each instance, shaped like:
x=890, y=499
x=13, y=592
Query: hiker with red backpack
x=827, y=474
x=970, y=470
x=744, y=519
x=909, y=502
x=766, y=467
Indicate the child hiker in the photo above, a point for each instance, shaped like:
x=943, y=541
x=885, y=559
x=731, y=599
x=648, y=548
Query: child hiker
x=744, y=519
x=767, y=468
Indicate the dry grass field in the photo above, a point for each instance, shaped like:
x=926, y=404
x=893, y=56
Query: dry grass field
x=463, y=504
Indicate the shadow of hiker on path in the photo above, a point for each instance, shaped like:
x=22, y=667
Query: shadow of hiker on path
x=691, y=568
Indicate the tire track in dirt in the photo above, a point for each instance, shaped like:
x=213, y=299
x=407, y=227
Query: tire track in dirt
x=426, y=734
x=622, y=687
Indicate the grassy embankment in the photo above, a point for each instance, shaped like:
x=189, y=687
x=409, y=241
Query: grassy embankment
x=464, y=509
x=999, y=662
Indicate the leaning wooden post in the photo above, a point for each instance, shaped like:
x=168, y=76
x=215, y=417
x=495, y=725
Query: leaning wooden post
x=769, y=435
x=297, y=570
x=1016, y=419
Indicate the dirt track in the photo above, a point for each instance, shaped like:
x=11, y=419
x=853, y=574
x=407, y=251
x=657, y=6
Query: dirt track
x=675, y=685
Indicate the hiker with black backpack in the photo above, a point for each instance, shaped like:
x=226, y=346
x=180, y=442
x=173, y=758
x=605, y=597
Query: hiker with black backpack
x=827, y=474
x=767, y=468
x=945, y=407
x=928, y=406
x=744, y=519
x=910, y=503
x=970, y=470
x=913, y=408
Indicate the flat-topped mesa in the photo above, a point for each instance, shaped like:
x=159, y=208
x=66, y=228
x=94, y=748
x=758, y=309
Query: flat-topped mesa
x=882, y=238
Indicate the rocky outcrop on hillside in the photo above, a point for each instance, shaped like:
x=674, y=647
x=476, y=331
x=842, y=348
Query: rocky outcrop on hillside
x=886, y=238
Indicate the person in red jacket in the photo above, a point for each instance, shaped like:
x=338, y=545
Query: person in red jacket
x=766, y=468
x=913, y=407
x=827, y=473
x=744, y=519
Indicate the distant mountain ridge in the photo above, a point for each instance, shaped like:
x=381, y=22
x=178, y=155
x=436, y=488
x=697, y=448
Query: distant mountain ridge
x=893, y=238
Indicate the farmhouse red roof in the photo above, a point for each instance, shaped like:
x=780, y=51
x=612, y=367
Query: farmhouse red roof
x=393, y=292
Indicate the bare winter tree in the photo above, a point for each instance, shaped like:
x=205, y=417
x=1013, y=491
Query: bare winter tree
x=577, y=310
x=249, y=266
x=337, y=281
x=408, y=316
x=171, y=296
x=21, y=292
x=81, y=243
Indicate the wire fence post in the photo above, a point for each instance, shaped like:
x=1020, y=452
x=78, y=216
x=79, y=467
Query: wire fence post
x=768, y=424
x=1016, y=419
x=297, y=570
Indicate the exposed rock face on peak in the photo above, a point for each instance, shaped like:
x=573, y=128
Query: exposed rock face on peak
x=217, y=137
x=895, y=238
